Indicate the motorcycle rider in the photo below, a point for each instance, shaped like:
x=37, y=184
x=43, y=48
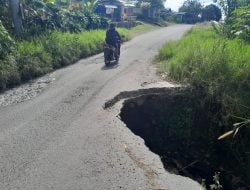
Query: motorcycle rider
x=113, y=37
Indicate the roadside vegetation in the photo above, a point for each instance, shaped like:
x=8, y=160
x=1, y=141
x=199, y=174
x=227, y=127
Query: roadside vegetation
x=205, y=59
x=27, y=59
x=50, y=34
x=142, y=28
x=214, y=60
x=218, y=69
x=47, y=35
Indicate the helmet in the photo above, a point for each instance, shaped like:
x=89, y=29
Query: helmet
x=112, y=26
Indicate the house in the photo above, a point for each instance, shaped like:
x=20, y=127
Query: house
x=117, y=10
x=165, y=13
x=185, y=17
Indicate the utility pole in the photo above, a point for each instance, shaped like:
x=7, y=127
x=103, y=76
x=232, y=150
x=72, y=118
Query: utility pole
x=15, y=12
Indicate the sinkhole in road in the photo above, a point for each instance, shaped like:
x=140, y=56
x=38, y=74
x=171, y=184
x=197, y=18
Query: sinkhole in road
x=183, y=129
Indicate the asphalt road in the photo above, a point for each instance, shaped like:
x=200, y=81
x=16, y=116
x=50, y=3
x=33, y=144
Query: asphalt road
x=63, y=139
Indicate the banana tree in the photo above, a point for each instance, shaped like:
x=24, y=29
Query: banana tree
x=6, y=42
x=88, y=5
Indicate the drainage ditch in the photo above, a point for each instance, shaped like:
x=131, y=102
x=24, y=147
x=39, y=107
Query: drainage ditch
x=182, y=127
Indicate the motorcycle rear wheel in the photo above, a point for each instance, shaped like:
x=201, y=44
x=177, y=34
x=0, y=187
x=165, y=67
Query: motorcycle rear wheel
x=107, y=62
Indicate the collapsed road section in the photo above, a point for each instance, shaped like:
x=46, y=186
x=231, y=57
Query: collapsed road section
x=182, y=127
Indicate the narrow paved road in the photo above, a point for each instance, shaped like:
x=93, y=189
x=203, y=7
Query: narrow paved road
x=64, y=140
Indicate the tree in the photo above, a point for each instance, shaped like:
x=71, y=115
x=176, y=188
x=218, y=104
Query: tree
x=237, y=18
x=6, y=42
x=159, y=4
x=151, y=7
x=88, y=5
x=153, y=3
x=191, y=6
x=17, y=21
x=239, y=23
x=5, y=15
x=229, y=6
x=211, y=12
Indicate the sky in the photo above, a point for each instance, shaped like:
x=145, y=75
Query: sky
x=175, y=4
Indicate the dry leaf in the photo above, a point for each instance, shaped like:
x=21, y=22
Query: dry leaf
x=236, y=131
x=237, y=124
x=226, y=134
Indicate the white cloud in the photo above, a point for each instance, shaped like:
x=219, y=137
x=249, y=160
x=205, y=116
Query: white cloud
x=175, y=4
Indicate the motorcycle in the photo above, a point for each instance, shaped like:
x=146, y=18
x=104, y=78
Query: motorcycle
x=111, y=53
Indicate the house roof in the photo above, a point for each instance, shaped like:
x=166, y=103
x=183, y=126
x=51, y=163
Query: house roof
x=111, y=6
x=128, y=3
x=125, y=3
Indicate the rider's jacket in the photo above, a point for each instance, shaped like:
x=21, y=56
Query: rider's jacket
x=112, y=37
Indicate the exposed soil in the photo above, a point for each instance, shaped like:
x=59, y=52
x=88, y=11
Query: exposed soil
x=183, y=129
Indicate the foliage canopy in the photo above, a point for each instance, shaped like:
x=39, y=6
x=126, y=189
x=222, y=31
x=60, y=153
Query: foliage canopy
x=211, y=12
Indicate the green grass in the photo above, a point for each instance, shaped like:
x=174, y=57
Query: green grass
x=218, y=70
x=36, y=57
x=39, y=56
x=140, y=29
x=9, y=74
x=204, y=59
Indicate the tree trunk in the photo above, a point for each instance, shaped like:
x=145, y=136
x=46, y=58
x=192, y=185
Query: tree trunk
x=14, y=7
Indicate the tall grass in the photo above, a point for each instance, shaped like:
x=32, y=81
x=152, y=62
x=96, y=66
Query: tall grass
x=204, y=59
x=33, y=60
x=9, y=74
x=67, y=48
x=38, y=56
x=41, y=55
x=218, y=69
x=139, y=29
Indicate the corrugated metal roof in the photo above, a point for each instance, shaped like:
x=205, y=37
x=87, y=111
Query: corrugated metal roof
x=126, y=3
x=111, y=6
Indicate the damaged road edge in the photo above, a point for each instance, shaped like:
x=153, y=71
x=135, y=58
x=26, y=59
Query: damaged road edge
x=141, y=92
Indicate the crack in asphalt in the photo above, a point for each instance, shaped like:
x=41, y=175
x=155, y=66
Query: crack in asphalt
x=138, y=93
